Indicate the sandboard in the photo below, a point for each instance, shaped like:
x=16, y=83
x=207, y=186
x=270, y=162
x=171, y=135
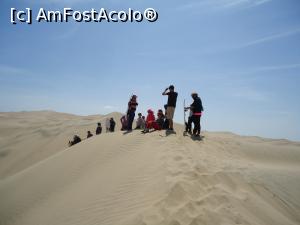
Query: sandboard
x=184, y=119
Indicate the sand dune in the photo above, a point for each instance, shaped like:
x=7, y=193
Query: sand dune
x=29, y=137
x=153, y=179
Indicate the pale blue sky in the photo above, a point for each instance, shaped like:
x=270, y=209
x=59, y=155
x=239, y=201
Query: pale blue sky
x=242, y=56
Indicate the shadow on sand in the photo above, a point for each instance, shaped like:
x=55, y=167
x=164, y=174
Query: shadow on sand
x=193, y=137
x=127, y=132
x=169, y=132
x=197, y=138
x=147, y=132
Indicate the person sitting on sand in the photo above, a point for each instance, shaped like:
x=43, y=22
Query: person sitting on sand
x=112, y=125
x=89, y=134
x=150, y=122
x=197, y=110
x=166, y=121
x=160, y=119
x=123, y=121
x=99, y=129
x=76, y=139
x=140, y=123
x=144, y=122
x=132, y=104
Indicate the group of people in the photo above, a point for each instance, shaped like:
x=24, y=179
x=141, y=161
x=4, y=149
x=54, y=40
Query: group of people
x=149, y=123
x=146, y=123
x=164, y=120
x=110, y=127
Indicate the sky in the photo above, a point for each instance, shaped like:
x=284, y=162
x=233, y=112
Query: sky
x=241, y=56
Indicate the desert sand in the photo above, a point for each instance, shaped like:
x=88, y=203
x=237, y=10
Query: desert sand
x=137, y=179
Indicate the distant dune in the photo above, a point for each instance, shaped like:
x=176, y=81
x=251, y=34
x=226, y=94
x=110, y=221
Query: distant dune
x=136, y=179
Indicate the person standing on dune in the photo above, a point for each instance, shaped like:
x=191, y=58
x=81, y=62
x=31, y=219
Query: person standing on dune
x=112, y=125
x=132, y=104
x=196, y=108
x=171, y=105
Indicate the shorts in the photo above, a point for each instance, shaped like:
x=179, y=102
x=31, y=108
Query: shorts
x=170, y=112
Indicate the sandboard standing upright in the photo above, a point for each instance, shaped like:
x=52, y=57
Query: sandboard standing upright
x=184, y=119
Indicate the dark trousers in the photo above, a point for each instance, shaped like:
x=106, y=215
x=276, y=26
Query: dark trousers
x=131, y=115
x=166, y=124
x=188, y=126
x=197, y=126
x=112, y=128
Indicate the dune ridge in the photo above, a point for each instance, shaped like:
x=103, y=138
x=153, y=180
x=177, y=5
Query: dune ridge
x=158, y=179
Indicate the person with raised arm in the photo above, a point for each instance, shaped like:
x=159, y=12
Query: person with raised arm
x=171, y=105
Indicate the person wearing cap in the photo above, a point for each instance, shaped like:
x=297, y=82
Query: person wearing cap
x=98, y=129
x=196, y=108
x=171, y=105
x=132, y=105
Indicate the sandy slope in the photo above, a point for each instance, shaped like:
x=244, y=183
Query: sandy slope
x=135, y=179
x=29, y=137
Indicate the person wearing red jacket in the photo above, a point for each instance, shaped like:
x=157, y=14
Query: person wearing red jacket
x=150, y=122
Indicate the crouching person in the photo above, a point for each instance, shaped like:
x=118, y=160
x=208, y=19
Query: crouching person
x=89, y=134
x=160, y=119
x=123, y=121
x=150, y=122
x=76, y=139
x=140, y=122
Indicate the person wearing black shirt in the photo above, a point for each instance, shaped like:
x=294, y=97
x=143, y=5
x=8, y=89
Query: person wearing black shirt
x=172, y=99
x=89, y=134
x=112, y=125
x=196, y=108
x=76, y=139
x=99, y=129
